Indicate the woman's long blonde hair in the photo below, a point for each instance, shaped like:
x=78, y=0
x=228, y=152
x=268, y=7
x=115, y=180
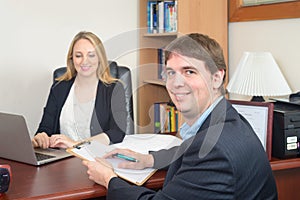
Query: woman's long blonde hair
x=103, y=72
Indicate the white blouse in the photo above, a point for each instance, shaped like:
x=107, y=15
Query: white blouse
x=75, y=117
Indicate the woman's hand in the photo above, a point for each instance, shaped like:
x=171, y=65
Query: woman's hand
x=100, y=171
x=61, y=141
x=143, y=160
x=41, y=140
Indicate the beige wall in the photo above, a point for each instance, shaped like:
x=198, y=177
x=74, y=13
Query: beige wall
x=34, y=39
x=35, y=36
x=280, y=37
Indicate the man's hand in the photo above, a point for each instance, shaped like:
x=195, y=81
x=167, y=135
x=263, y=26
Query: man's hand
x=99, y=171
x=143, y=160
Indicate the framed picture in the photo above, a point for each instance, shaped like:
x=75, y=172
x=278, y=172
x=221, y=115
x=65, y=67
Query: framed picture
x=260, y=117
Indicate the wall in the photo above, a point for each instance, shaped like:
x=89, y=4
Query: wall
x=35, y=36
x=280, y=37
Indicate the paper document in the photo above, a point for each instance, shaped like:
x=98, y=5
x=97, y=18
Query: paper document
x=142, y=143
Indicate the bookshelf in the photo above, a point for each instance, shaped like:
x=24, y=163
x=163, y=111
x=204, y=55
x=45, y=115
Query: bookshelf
x=204, y=16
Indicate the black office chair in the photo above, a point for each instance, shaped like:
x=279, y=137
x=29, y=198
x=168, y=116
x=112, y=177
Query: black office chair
x=123, y=73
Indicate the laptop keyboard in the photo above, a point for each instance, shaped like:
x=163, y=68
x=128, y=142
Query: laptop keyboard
x=40, y=156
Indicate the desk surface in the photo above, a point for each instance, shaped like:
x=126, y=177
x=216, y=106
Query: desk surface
x=67, y=179
x=64, y=179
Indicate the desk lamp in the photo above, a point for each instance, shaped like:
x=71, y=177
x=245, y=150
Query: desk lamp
x=258, y=75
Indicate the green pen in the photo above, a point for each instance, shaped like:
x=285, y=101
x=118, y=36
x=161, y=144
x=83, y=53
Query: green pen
x=122, y=156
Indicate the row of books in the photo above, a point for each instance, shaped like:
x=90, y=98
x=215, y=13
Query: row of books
x=167, y=119
x=162, y=16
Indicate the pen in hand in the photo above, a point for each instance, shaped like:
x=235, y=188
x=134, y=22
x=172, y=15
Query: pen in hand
x=122, y=156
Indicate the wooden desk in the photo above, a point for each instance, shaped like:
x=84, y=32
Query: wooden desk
x=65, y=179
x=287, y=175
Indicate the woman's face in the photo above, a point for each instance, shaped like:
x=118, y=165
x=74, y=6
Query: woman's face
x=85, y=58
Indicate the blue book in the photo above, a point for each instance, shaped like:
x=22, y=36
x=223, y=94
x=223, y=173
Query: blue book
x=161, y=62
x=154, y=24
x=151, y=12
x=150, y=16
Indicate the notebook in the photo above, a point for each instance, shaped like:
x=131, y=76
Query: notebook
x=15, y=143
x=142, y=143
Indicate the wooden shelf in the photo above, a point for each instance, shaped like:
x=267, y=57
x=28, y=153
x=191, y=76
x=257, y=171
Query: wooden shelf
x=192, y=16
x=156, y=82
x=173, y=34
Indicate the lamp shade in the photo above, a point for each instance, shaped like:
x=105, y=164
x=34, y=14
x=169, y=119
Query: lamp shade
x=258, y=74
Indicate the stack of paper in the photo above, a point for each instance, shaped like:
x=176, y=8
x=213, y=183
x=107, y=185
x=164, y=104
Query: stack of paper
x=142, y=143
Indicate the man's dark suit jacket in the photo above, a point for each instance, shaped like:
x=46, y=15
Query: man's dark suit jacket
x=224, y=160
x=109, y=114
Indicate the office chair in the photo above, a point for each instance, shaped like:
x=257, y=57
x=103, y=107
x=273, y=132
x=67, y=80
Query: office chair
x=123, y=73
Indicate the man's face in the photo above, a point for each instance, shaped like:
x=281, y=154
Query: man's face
x=189, y=85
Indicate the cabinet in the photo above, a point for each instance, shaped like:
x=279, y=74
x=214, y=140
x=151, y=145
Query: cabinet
x=287, y=175
x=204, y=16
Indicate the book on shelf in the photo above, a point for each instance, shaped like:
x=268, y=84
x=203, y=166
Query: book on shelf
x=167, y=119
x=170, y=12
x=152, y=16
x=162, y=16
x=160, y=62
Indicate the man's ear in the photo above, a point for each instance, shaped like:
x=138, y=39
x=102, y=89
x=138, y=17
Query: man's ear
x=218, y=78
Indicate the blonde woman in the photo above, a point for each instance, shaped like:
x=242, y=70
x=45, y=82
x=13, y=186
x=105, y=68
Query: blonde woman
x=86, y=101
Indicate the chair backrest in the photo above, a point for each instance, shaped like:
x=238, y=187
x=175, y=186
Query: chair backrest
x=123, y=73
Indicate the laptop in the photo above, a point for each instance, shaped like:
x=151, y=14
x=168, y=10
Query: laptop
x=15, y=143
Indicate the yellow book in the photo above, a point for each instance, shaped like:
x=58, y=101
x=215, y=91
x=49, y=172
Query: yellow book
x=173, y=119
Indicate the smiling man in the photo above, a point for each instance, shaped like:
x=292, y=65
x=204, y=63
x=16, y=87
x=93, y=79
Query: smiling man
x=221, y=156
